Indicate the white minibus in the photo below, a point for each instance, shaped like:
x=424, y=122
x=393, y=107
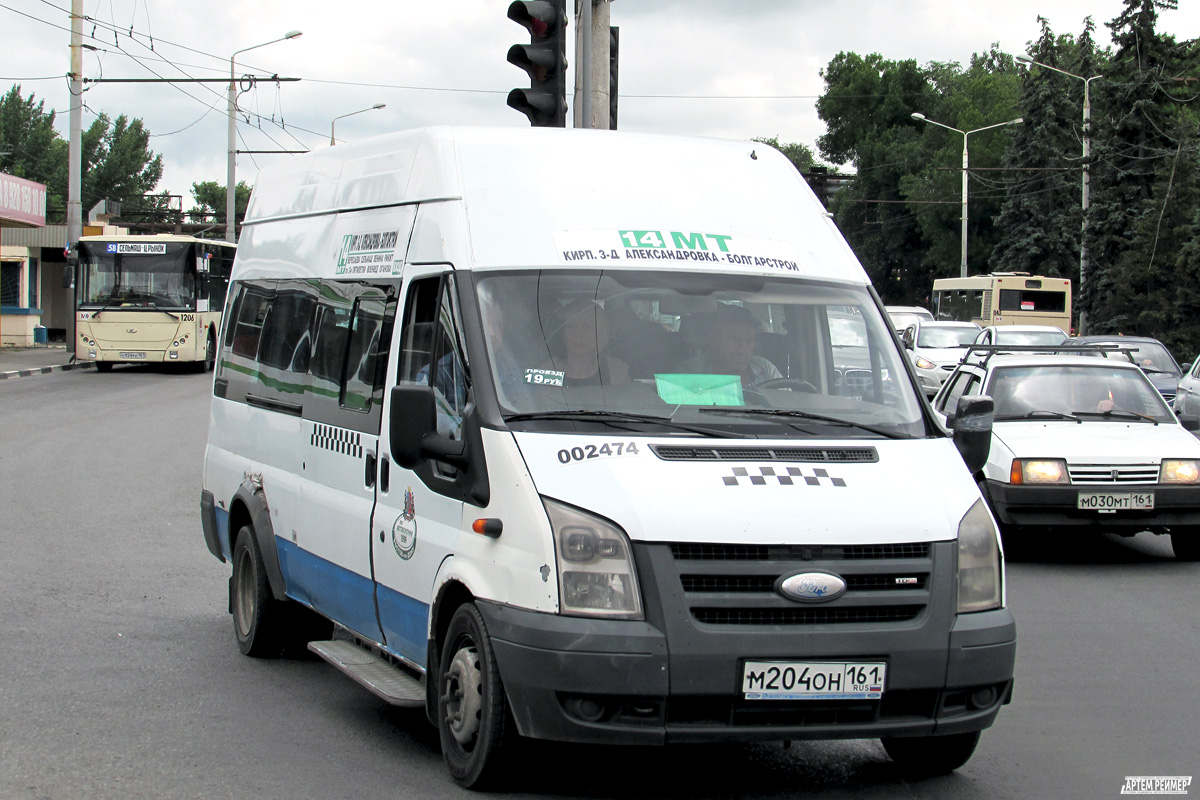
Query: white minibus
x=560, y=434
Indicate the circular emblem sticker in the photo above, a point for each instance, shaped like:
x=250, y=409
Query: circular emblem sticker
x=404, y=530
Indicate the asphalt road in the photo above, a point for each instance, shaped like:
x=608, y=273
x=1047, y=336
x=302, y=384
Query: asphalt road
x=120, y=678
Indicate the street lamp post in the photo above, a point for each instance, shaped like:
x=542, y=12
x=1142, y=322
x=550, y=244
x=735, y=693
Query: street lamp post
x=965, y=158
x=1087, y=175
x=231, y=166
x=333, y=141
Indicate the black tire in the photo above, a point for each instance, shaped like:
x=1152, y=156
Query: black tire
x=474, y=723
x=210, y=356
x=929, y=756
x=104, y=366
x=1186, y=544
x=257, y=616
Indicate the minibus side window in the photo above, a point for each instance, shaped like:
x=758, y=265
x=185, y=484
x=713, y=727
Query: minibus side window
x=432, y=352
x=358, y=390
x=252, y=313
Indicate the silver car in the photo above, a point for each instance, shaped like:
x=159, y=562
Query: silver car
x=935, y=348
x=1187, y=398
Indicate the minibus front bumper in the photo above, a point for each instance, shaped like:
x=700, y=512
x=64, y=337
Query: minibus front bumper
x=673, y=679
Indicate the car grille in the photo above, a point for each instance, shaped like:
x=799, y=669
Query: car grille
x=734, y=584
x=1113, y=473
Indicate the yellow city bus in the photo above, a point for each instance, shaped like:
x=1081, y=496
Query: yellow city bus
x=1004, y=298
x=145, y=299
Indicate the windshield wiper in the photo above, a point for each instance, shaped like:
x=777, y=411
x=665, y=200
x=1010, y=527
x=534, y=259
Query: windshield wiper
x=1037, y=414
x=793, y=414
x=156, y=307
x=587, y=415
x=1119, y=413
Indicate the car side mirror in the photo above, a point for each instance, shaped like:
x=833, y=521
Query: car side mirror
x=412, y=430
x=1189, y=422
x=972, y=435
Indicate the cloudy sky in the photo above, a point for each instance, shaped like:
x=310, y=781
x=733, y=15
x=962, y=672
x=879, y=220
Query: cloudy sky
x=727, y=68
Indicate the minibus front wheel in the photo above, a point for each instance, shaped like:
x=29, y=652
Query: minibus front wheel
x=255, y=612
x=474, y=723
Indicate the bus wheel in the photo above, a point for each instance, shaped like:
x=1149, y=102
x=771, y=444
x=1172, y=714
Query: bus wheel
x=256, y=614
x=103, y=366
x=474, y=723
x=929, y=756
x=210, y=355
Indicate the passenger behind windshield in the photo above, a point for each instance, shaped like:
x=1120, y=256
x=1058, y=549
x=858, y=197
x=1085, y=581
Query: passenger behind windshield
x=729, y=348
x=579, y=347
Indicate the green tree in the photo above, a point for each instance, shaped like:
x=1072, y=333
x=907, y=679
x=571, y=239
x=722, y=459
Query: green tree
x=119, y=163
x=1141, y=135
x=31, y=148
x=210, y=202
x=1039, y=224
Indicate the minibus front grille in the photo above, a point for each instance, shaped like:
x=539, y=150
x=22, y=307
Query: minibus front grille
x=811, y=455
x=686, y=551
x=751, y=584
x=806, y=616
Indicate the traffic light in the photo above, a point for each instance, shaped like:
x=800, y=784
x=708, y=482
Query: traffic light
x=544, y=58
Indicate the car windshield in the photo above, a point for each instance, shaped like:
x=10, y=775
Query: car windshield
x=137, y=275
x=940, y=338
x=1029, y=337
x=1150, y=356
x=1089, y=392
x=738, y=355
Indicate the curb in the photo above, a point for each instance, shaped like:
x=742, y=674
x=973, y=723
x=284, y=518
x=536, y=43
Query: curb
x=24, y=373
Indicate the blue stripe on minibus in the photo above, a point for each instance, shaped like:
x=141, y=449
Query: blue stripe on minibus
x=339, y=593
x=223, y=533
x=405, y=624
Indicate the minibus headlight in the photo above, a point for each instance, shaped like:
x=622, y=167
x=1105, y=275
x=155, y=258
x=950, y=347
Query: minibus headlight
x=596, y=576
x=1039, y=470
x=1176, y=470
x=978, y=562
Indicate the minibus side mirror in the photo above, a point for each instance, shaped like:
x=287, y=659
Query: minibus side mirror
x=1189, y=422
x=413, y=429
x=972, y=435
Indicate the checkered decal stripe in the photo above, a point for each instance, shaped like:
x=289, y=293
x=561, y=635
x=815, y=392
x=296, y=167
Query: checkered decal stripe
x=339, y=440
x=783, y=476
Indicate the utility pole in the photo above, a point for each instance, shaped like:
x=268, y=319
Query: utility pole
x=592, y=39
x=75, y=154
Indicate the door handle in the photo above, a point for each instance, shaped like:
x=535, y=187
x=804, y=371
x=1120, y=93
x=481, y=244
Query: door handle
x=385, y=475
x=370, y=476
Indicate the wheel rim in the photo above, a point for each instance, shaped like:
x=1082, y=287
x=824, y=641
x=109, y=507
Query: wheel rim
x=244, y=593
x=463, y=697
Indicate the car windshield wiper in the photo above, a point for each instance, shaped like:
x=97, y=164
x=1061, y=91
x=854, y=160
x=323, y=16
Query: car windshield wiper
x=587, y=415
x=1118, y=413
x=1037, y=415
x=808, y=415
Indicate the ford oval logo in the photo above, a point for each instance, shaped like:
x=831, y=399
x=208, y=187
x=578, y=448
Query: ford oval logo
x=811, y=587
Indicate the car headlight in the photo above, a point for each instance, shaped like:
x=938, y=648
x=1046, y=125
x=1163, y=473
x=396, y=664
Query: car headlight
x=978, y=562
x=924, y=364
x=1039, y=470
x=1180, y=470
x=596, y=576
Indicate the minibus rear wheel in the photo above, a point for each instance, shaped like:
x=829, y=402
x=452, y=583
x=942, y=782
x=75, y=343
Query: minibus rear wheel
x=474, y=723
x=929, y=756
x=1186, y=544
x=256, y=614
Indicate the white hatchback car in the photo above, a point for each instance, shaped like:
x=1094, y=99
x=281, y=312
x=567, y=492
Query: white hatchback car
x=1022, y=335
x=1083, y=444
x=935, y=349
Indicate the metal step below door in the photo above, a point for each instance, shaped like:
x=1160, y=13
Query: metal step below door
x=387, y=681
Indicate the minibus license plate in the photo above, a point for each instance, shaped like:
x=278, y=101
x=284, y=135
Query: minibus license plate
x=813, y=680
x=1116, y=501
x=133, y=355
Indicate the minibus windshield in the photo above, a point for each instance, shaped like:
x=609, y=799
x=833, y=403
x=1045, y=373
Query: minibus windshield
x=744, y=354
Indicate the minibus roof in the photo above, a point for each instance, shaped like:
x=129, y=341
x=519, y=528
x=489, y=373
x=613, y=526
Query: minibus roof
x=519, y=187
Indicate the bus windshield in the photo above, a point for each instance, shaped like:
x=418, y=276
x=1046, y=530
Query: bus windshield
x=137, y=275
x=744, y=354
